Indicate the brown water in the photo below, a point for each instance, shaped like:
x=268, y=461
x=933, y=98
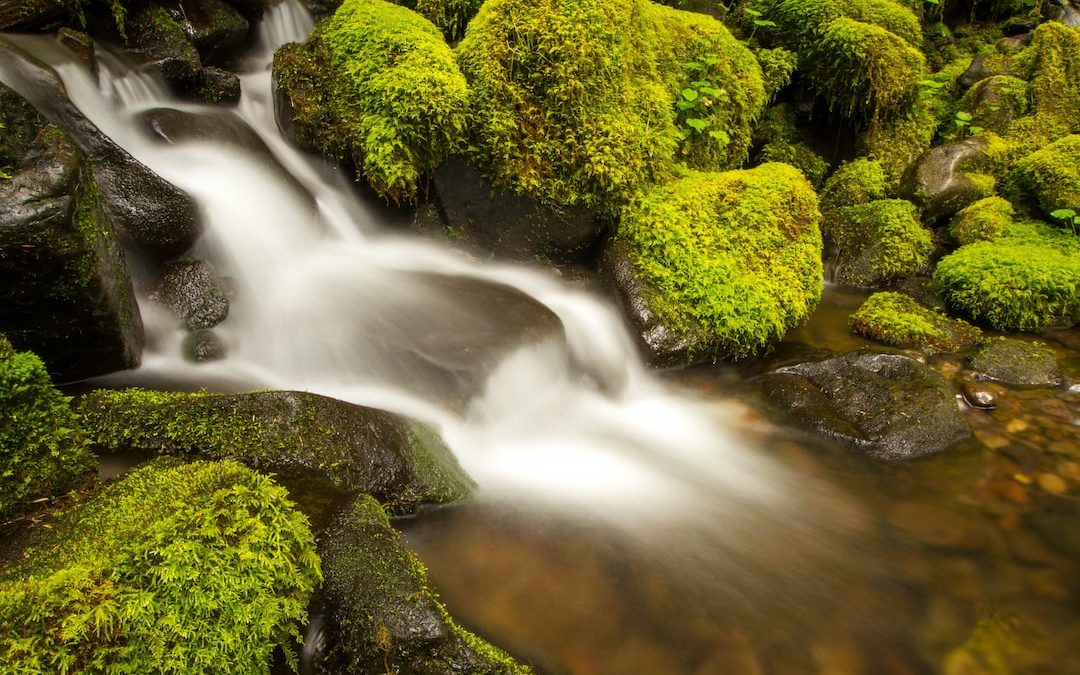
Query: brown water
x=965, y=563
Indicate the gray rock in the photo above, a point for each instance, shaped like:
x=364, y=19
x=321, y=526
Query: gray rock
x=937, y=182
x=1063, y=12
x=996, y=101
x=193, y=291
x=986, y=65
x=203, y=345
x=1017, y=362
x=160, y=42
x=890, y=406
x=218, y=86
x=213, y=27
x=80, y=45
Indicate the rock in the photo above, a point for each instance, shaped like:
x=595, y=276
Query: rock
x=65, y=292
x=213, y=27
x=890, y=406
x=17, y=15
x=220, y=127
x=250, y=9
x=897, y=319
x=80, y=45
x=149, y=213
x=1019, y=26
x=193, y=291
x=986, y=65
x=980, y=394
x=937, y=182
x=383, y=615
x=1017, y=362
x=155, y=38
x=996, y=101
x=1065, y=13
x=203, y=345
x=875, y=243
x=1052, y=483
x=510, y=225
x=218, y=86
x=357, y=449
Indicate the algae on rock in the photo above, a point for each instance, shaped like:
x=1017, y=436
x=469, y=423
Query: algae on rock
x=897, y=319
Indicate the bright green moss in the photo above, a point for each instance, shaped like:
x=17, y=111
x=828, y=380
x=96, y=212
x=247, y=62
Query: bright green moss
x=877, y=242
x=1052, y=175
x=735, y=254
x=798, y=155
x=376, y=82
x=42, y=448
x=198, y=568
x=1053, y=61
x=777, y=66
x=583, y=102
x=984, y=220
x=897, y=319
x=801, y=21
x=856, y=182
x=1026, y=280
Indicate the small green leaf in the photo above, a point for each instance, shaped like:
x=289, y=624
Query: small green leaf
x=965, y=116
x=697, y=124
x=689, y=94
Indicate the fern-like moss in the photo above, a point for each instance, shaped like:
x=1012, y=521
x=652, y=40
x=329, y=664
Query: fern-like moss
x=897, y=319
x=984, y=220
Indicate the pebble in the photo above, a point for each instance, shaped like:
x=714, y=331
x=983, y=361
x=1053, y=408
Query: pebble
x=1070, y=470
x=1053, y=483
x=981, y=394
x=992, y=441
x=936, y=527
x=1016, y=426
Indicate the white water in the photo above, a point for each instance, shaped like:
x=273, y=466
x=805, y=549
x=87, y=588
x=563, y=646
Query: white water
x=319, y=289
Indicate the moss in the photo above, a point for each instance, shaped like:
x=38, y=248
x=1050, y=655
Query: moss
x=42, y=447
x=736, y=254
x=449, y=16
x=777, y=67
x=1052, y=175
x=877, y=242
x=201, y=568
x=584, y=102
x=897, y=319
x=994, y=98
x=376, y=83
x=1053, y=63
x=984, y=220
x=1026, y=280
x=1016, y=362
x=798, y=155
x=857, y=182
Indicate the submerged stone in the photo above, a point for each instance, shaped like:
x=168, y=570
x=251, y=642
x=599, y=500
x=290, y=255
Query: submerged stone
x=897, y=319
x=1015, y=361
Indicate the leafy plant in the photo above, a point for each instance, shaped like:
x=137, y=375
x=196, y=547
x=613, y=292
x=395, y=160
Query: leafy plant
x=696, y=102
x=1067, y=217
x=962, y=126
x=756, y=21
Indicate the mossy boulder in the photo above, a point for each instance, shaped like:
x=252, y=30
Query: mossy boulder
x=1052, y=175
x=377, y=84
x=161, y=43
x=857, y=182
x=876, y=243
x=584, y=102
x=17, y=15
x=385, y=616
x=213, y=27
x=1015, y=361
x=1028, y=279
x=357, y=449
x=727, y=261
x=984, y=220
x=42, y=447
x=899, y=320
x=198, y=568
x=996, y=101
x=943, y=180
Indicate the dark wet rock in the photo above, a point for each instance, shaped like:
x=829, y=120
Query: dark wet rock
x=180, y=126
x=216, y=85
x=65, y=292
x=161, y=43
x=203, y=345
x=511, y=225
x=19, y=126
x=663, y=346
x=383, y=616
x=193, y=291
x=996, y=101
x=937, y=182
x=986, y=65
x=31, y=14
x=923, y=290
x=1019, y=26
x=1017, y=362
x=1065, y=13
x=250, y=9
x=981, y=394
x=80, y=45
x=890, y=406
x=215, y=28
x=358, y=449
x=149, y=213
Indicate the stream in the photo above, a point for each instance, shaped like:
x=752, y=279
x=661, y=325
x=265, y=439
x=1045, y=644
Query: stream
x=626, y=521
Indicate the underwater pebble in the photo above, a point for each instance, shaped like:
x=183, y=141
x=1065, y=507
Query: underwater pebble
x=1070, y=470
x=1053, y=483
x=935, y=526
x=1065, y=448
x=992, y=441
x=981, y=394
x=1016, y=426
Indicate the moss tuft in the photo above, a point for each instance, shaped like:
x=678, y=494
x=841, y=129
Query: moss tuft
x=450, y=16
x=879, y=241
x=1052, y=175
x=984, y=220
x=736, y=255
x=856, y=182
x=897, y=319
x=777, y=67
x=798, y=155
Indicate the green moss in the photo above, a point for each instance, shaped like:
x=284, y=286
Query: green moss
x=1016, y=362
x=877, y=242
x=984, y=220
x=798, y=155
x=1052, y=175
x=735, y=254
x=857, y=182
x=200, y=568
x=897, y=319
x=583, y=102
x=42, y=447
x=777, y=67
x=995, y=98
x=1026, y=280
x=377, y=83
x=450, y=16
x=1053, y=64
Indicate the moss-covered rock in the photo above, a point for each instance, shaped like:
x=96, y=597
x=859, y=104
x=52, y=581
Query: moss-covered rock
x=155, y=37
x=449, y=16
x=1052, y=175
x=213, y=27
x=357, y=449
x=857, y=182
x=798, y=155
x=200, y=568
x=1027, y=280
x=897, y=319
x=583, y=102
x=996, y=101
x=943, y=180
x=42, y=447
x=984, y=220
x=877, y=242
x=376, y=83
x=777, y=67
x=1017, y=362
x=386, y=618
x=731, y=258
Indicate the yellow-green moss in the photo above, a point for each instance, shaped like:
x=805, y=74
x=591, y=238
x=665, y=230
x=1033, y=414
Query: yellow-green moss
x=857, y=182
x=897, y=319
x=798, y=155
x=777, y=66
x=984, y=220
x=1052, y=175
x=735, y=254
x=879, y=241
x=450, y=16
x=577, y=102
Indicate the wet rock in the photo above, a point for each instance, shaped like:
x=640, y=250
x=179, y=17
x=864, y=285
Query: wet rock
x=250, y=9
x=1052, y=483
x=937, y=527
x=978, y=394
x=937, y=182
x=1065, y=13
x=65, y=292
x=218, y=86
x=149, y=213
x=1015, y=361
x=16, y=15
x=996, y=101
x=193, y=291
x=986, y=65
x=890, y=406
x=1018, y=26
x=383, y=615
x=358, y=449
x=155, y=38
x=203, y=345
x=213, y=27
x=80, y=45
x=510, y=225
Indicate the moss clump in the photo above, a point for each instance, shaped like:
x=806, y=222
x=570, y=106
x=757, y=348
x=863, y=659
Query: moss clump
x=735, y=255
x=856, y=182
x=42, y=448
x=199, y=568
x=1017, y=362
x=584, y=102
x=777, y=67
x=1027, y=280
x=984, y=220
x=377, y=83
x=897, y=319
x=798, y=155
x=1052, y=175
x=450, y=16
x=877, y=242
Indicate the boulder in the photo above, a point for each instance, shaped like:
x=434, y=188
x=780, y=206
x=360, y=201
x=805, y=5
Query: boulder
x=357, y=449
x=203, y=345
x=984, y=65
x=213, y=27
x=1017, y=362
x=996, y=101
x=889, y=406
x=897, y=319
x=149, y=213
x=80, y=45
x=938, y=183
x=384, y=617
x=193, y=291
x=162, y=45
x=217, y=86
x=17, y=15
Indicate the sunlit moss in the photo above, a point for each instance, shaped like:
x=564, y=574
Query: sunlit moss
x=897, y=319
x=877, y=242
x=984, y=220
x=856, y=182
x=1052, y=175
